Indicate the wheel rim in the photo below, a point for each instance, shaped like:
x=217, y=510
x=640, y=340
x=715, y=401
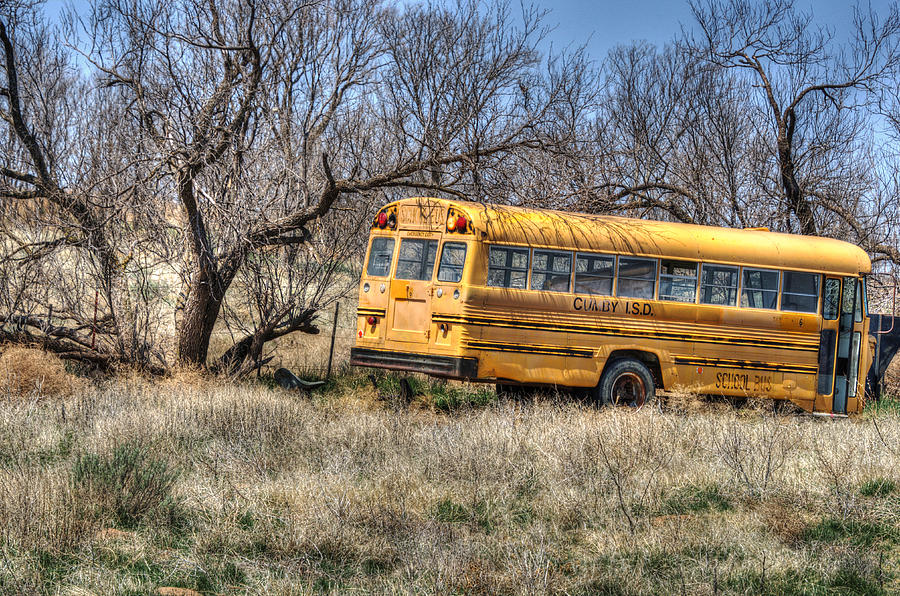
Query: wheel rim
x=629, y=390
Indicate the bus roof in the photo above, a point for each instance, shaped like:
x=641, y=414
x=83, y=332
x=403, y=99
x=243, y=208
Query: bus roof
x=604, y=233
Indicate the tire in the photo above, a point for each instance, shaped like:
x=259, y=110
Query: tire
x=625, y=383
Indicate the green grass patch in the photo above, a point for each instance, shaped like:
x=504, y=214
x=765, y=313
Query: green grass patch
x=444, y=396
x=54, y=566
x=807, y=582
x=887, y=405
x=696, y=499
x=447, y=397
x=877, y=487
x=859, y=533
x=452, y=513
x=482, y=515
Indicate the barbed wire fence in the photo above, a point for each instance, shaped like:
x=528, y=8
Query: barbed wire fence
x=324, y=354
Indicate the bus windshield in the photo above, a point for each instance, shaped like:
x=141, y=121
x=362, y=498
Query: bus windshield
x=380, y=257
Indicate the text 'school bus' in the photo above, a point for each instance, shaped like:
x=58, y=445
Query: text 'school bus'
x=623, y=306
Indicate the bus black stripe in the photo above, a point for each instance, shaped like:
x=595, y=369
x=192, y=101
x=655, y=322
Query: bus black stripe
x=620, y=332
x=530, y=349
x=745, y=364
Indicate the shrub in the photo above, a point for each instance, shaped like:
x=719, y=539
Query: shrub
x=127, y=485
x=28, y=371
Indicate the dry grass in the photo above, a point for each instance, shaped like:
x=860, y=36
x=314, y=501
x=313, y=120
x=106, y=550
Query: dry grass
x=30, y=372
x=274, y=492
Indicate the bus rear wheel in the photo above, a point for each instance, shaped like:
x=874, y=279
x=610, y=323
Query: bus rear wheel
x=625, y=383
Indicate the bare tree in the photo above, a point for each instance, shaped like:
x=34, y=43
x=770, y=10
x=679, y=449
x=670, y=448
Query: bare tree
x=256, y=122
x=810, y=88
x=56, y=206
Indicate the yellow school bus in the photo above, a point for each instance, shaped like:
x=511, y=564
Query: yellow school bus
x=619, y=306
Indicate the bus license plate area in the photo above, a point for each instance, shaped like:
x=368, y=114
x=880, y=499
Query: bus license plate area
x=410, y=315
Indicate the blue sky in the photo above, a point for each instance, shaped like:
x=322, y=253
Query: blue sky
x=604, y=24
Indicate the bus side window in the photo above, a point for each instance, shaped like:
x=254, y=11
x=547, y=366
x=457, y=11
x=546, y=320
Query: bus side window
x=831, y=299
x=453, y=259
x=416, y=259
x=759, y=288
x=380, y=257
x=551, y=270
x=678, y=281
x=719, y=285
x=800, y=291
x=637, y=278
x=860, y=301
x=507, y=267
x=594, y=274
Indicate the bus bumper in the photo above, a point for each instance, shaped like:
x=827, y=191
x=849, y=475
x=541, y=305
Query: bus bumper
x=440, y=366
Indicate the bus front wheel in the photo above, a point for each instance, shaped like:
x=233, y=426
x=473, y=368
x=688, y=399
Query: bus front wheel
x=625, y=383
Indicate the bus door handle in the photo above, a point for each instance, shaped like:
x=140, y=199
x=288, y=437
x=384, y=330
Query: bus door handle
x=401, y=291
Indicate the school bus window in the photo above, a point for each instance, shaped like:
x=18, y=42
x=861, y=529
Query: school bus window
x=551, y=270
x=854, y=363
x=678, y=281
x=831, y=299
x=416, y=259
x=860, y=300
x=853, y=303
x=719, y=285
x=380, y=257
x=594, y=274
x=637, y=278
x=847, y=297
x=453, y=259
x=507, y=267
x=800, y=291
x=759, y=288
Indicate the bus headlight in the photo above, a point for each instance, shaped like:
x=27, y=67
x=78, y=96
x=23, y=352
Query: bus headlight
x=366, y=287
x=440, y=292
x=382, y=288
x=456, y=294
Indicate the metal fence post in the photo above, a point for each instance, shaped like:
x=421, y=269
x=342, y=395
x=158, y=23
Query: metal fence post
x=333, y=332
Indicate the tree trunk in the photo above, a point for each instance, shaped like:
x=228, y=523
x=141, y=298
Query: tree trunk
x=792, y=193
x=207, y=288
x=198, y=319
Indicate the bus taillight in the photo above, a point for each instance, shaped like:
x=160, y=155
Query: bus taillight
x=372, y=320
x=456, y=222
